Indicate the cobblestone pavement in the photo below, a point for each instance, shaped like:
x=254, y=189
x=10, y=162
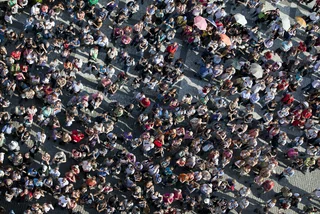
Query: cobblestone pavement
x=299, y=183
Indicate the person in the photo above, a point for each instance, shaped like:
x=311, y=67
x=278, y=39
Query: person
x=59, y=157
x=41, y=138
x=94, y=53
x=172, y=49
x=166, y=129
x=8, y=129
x=287, y=173
x=243, y=204
x=205, y=70
x=314, y=194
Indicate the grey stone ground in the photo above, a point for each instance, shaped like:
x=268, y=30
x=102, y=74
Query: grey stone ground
x=299, y=183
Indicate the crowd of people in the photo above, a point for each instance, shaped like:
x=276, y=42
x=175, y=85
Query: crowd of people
x=177, y=155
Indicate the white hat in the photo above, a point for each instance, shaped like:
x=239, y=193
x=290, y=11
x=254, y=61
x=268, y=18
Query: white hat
x=296, y=194
x=206, y=201
x=305, y=104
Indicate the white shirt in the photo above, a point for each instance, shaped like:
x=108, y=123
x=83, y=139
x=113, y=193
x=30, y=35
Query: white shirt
x=63, y=182
x=152, y=85
x=311, y=133
x=35, y=10
x=270, y=96
x=283, y=113
x=147, y=145
x=110, y=72
x=79, y=63
x=220, y=13
x=268, y=43
x=31, y=58
x=103, y=41
x=88, y=39
x=47, y=207
x=314, y=17
x=268, y=117
x=49, y=25
x=77, y=87
x=317, y=193
x=55, y=173
x=233, y=204
x=140, y=96
x=41, y=137
x=158, y=59
x=7, y=129
x=63, y=201
x=244, y=203
x=254, y=98
x=316, y=66
x=130, y=170
x=206, y=189
x=245, y=94
x=247, y=82
x=86, y=166
x=256, y=88
x=270, y=203
x=169, y=9
x=316, y=84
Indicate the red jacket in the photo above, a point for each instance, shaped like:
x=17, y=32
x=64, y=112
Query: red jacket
x=306, y=114
x=172, y=49
x=287, y=99
x=268, y=185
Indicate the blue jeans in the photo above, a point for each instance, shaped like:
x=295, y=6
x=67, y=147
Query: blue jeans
x=126, y=68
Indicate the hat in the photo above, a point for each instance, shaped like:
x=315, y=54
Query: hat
x=206, y=201
x=305, y=104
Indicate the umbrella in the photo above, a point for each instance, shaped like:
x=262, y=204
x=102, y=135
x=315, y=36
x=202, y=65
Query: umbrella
x=240, y=19
x=212, y=22
x=93, y=2
x=200, y=22
x=301, y=21
x=256, y=70
x=255, y=65
x=225, y=39
x=285, y=23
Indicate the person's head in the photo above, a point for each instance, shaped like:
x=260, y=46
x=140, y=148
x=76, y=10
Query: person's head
x=27, y=155
x=131, y=106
